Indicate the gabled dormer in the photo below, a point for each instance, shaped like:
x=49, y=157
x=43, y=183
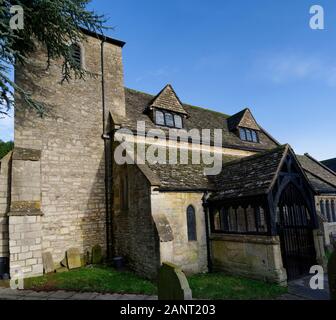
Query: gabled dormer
x=245, y=126
x=167, y=110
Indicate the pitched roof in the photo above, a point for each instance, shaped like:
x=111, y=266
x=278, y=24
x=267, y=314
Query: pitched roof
x=240, y=176
x=199, y=118
x=185, y=176
x=249, y=176
x=331, y=164
x=244, y=119
x=167, y=99
x=322, y=178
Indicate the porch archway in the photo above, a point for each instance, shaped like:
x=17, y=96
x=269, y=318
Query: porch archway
x=295, y=225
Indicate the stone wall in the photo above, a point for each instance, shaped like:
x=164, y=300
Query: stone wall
x=68, y=137
x=327, y=228
x=5, y=183
x=191, y=256
x=134, y=231
x=25, y=233
x=257, y=257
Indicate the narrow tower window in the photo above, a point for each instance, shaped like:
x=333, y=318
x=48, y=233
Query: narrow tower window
x=76, y=54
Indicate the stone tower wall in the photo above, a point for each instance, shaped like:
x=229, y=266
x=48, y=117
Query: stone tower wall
x=58, y=173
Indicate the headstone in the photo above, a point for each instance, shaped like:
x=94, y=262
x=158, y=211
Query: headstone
x=73, y=258
x=332, y=274
x=97, y=256
x=173, y=284
x=48, y=263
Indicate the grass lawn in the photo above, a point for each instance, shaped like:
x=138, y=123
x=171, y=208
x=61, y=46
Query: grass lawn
x=218, y=286
x=107, y=280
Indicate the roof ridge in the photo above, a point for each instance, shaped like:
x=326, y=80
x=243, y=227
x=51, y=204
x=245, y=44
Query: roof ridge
x=257, y=155
x=183, y=103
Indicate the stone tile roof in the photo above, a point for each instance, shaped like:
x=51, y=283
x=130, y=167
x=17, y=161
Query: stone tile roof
x=199, y=118
x=249, y=176
x=167, y=99
x=244, y=119
x=240, y=177
x=319, y=185
x=322, y=178
x=331, y=164
x=185, y=176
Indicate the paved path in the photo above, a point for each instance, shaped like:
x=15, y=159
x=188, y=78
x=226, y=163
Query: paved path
x=9, y=294
x=300, y=290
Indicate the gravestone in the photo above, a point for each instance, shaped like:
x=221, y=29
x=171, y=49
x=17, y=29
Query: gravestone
x=48, y=263
x=332, y=274
x=97, y=256
x=73, y=258
x=173, y=284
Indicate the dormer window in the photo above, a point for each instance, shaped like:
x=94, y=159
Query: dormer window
x=248, y=135
x=168, y=119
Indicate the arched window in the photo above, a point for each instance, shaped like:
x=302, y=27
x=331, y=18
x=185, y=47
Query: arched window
x=191, y=224
x=76, y=54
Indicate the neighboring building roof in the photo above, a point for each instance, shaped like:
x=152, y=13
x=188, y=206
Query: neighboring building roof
x=198, y=118
x=322, y=178
x=167, y=99
x=244, y=119
x=250, y=176
x=331, y=164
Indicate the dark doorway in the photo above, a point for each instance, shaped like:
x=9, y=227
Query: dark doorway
x=295, y=227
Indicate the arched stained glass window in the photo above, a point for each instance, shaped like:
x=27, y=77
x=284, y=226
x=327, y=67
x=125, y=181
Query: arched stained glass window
x=191, y=224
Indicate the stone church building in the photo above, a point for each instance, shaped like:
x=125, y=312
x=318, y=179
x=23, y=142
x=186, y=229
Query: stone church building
x=269, y=214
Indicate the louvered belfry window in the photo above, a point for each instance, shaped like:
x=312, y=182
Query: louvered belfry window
x=76, y=54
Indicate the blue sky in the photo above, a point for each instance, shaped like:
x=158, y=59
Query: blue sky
x=231, y=54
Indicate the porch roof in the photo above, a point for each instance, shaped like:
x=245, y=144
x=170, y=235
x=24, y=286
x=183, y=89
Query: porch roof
x=249, y=176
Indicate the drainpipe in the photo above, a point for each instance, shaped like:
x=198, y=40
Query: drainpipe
x=106, y=138
x=207, y=235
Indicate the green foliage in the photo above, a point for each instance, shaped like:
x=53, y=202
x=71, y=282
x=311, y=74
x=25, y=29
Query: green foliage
x=53, y=23
x=5, y=147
